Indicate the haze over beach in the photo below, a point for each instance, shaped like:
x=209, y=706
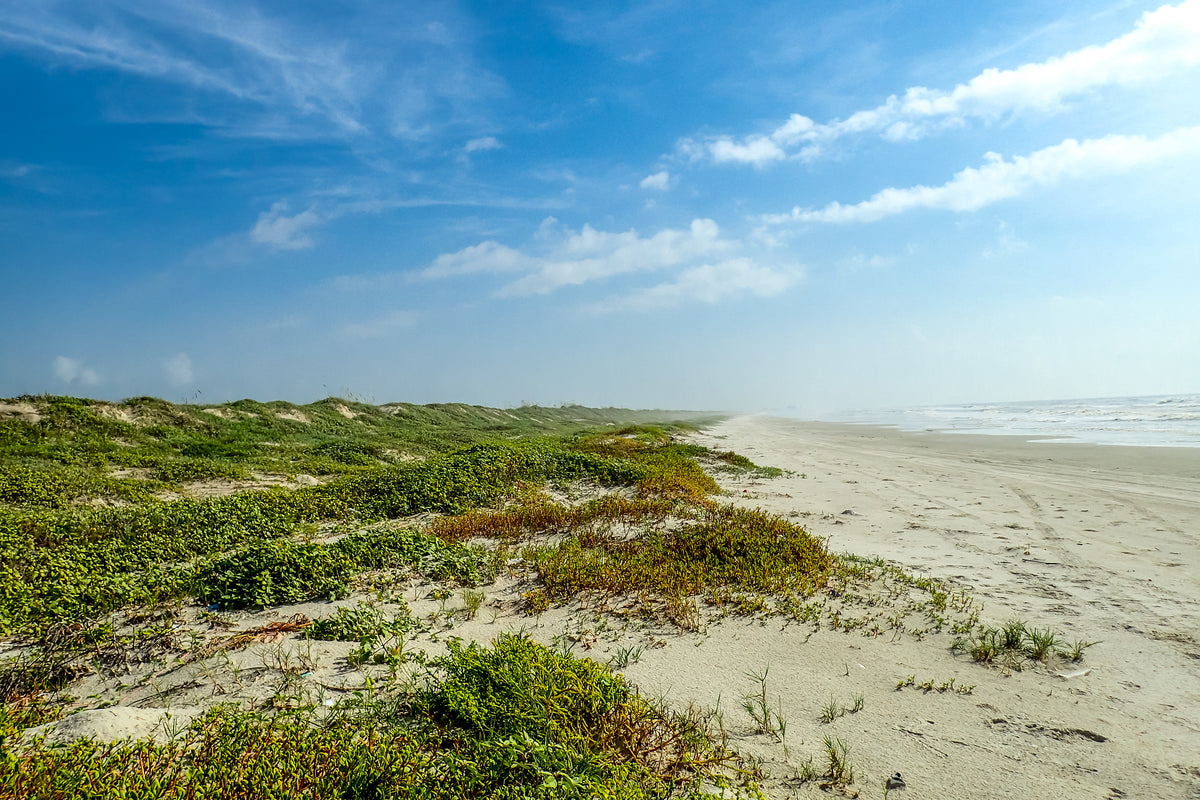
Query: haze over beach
x=873, y=205
x=335, y=343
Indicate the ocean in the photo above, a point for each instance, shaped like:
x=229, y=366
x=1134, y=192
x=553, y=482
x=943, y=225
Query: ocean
x=1161, y=421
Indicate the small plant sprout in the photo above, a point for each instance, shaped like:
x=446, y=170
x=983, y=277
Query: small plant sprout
x=1075, y=651
x=831, y=711
x=837, y=753
x=625, y=656
x=472, y=599
x=759, y=708
x=1041, y=643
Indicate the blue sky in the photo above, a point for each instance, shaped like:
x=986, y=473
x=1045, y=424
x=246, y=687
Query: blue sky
x=818, y=205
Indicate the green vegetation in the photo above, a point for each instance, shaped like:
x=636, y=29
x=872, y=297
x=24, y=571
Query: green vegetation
x=511, y=721
x=724, y=548
x=359, y=623
x=61, y=563
x=104, y=537
x=1015, y=642
x=117, y=520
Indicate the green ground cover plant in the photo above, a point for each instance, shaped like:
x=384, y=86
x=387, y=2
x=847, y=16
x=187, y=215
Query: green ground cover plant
x=515, y=720
x=282, y=571
x=58, y=563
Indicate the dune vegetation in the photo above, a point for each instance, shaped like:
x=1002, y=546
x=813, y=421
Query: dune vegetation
x=151, y=552
x=115, y=519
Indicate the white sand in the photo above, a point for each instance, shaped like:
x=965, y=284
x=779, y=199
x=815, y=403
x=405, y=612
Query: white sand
x=1100, y=543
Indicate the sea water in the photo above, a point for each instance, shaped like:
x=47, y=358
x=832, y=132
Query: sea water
x=1161, y=421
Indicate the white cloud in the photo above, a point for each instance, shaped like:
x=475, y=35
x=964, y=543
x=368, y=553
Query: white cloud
x=276, y=229
x=489, y=256
x=247, y=71
x=707, y=283
x=573, y=258
x=756, y=150
x=178, y=369
x=374, y=328
x=705, y=267
x=1163, y=42
x=68, y=370
x=976, y=187
x=659, y=181
x=486, y=143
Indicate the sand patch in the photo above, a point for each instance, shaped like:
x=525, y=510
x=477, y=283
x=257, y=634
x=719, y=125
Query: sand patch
x=115, y=412
x=223, y=487
x=344, y=411
x=26, y=412
x=115, y=724
x=223, y=413
x=294, y=415
x=401, y=456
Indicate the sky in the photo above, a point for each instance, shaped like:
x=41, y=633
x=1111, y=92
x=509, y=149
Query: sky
x=807, y=206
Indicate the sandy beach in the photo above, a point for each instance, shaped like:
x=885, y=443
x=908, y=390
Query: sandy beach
x=1099, y=543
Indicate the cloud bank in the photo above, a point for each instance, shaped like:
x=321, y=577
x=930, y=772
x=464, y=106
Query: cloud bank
x=998, y=179
x=1163, y=42
x=709, y=267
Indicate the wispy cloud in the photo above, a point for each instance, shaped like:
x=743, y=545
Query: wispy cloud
x=13, y=171
x=282, y=232
x=378, y=326
x=561, y=258
x=707, y=283
x=1164, y=42
x=407, y=74
x=998, y=179
x=484, y=143
x=659, y=181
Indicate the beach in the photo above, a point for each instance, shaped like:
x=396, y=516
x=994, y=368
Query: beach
x=942, y=536
x=1099, y=543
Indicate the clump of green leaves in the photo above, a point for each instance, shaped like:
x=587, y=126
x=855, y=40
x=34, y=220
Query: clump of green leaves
x=518, y=688
x=362, y=622
x=285, y=571
x=274, y=572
